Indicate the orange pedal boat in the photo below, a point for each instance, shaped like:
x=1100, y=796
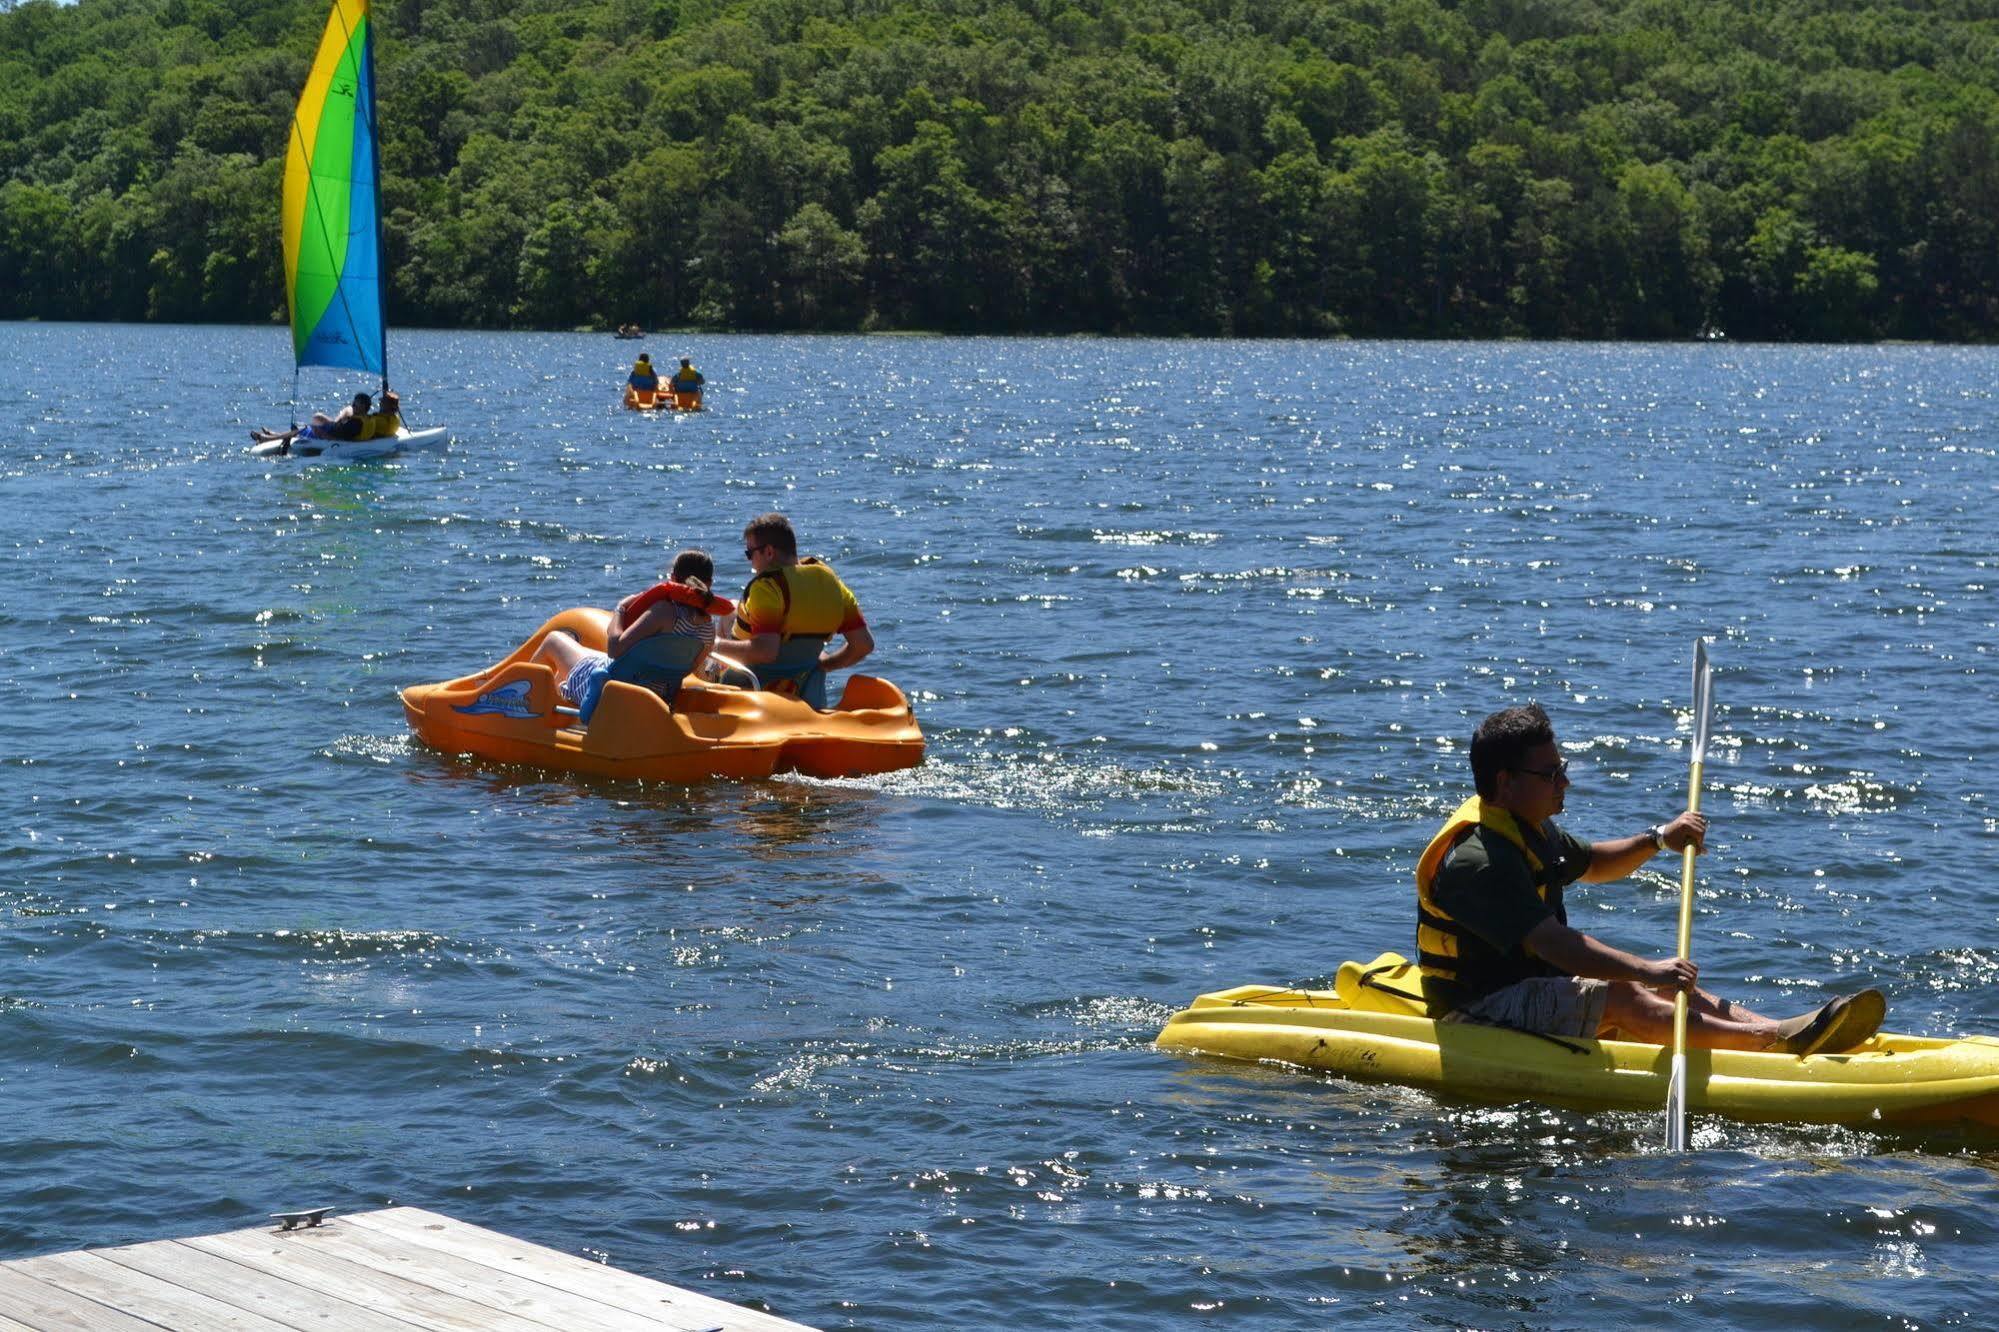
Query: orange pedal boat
x=509, y=713
x=663, y=398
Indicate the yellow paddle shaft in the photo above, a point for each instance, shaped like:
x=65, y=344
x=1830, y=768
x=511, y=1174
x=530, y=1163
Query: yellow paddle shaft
x=1686, y=912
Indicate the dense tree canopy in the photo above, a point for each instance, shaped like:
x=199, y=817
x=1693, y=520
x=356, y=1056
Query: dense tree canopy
x=1823, y=169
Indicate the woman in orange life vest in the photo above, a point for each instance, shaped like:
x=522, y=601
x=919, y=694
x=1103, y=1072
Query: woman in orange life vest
x=789, y=598
x=1493, y=938
x=681, y=605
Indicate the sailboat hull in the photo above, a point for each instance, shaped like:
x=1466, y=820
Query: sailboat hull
x=356, y=450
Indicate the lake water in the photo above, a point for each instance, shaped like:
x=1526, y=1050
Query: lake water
x=1197, y=633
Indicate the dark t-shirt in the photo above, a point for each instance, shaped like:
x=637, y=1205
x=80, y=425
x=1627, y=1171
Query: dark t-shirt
x=1486, y=885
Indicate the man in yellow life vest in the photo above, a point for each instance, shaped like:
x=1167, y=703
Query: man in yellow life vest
x=642, y=376
x=789, y=611
x=1493, y=939
x=386, y=420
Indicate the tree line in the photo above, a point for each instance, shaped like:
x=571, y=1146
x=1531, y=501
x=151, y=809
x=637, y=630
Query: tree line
x=1794, y=169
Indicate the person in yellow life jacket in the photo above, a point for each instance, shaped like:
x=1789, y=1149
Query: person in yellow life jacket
x=642, y=376
x=1493, y=938
x=789, y=611
x=386, y=420
x=687, y=379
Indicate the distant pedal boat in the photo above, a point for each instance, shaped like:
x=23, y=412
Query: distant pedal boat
x=661, y=399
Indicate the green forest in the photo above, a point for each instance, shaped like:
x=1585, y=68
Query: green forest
x=1772, y=169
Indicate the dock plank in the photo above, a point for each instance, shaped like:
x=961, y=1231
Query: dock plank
x=285, y=1302
x=430, y=1289
x=40, y=1307
x=637, y=1294
x=401, y=1269
x=156, y=1297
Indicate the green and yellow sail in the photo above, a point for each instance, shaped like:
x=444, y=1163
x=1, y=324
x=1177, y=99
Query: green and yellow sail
x=333, y=244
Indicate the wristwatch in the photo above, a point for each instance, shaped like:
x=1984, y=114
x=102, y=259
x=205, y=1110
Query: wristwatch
x=1657, y=832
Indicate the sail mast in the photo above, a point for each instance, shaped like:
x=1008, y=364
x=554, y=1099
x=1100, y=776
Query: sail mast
x=381, y=251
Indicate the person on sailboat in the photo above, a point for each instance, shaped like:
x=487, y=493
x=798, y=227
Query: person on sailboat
x=386, y=420
x=1494, y=941
x=351, y=423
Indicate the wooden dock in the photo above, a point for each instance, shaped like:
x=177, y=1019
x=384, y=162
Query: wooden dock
x=386, y=1271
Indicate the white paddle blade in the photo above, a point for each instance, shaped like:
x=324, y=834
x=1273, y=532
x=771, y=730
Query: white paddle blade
x=1676, y=1105
x=1703, y=699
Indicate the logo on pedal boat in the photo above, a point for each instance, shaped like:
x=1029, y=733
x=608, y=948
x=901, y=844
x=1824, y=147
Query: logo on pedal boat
x=509, y=700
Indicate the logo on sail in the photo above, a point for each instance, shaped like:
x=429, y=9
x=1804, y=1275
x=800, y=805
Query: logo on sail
x=509, y=700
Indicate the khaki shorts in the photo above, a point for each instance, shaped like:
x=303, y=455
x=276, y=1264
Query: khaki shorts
x=1550, y=1005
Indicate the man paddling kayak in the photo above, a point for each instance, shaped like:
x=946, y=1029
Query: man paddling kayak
x=1493, y=937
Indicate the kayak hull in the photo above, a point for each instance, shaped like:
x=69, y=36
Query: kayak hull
x=508, y=714
x=356, y=450
x=1890, y=1080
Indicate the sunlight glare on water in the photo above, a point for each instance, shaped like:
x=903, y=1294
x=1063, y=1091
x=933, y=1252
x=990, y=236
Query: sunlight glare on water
x=1197, y=634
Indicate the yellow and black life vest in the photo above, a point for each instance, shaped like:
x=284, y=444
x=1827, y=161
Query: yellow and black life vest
x=814, y=606
x=1438, y=937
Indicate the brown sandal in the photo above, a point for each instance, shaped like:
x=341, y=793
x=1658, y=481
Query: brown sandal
x=1814, y=1033
x=1857, y=1019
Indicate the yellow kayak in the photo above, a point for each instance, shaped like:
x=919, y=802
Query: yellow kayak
x=1371, y=1027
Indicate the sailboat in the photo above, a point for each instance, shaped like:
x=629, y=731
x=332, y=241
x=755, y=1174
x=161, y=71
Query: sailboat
x=334, y=283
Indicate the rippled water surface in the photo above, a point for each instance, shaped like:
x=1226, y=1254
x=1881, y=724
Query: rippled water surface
x=1196, y=632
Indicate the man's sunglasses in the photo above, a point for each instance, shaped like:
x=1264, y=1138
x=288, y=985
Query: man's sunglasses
x=1559, y=772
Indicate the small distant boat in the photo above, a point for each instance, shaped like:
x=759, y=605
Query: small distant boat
x=335, y=286
x=629, y=332
x=662, y=399
x=354, y=450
